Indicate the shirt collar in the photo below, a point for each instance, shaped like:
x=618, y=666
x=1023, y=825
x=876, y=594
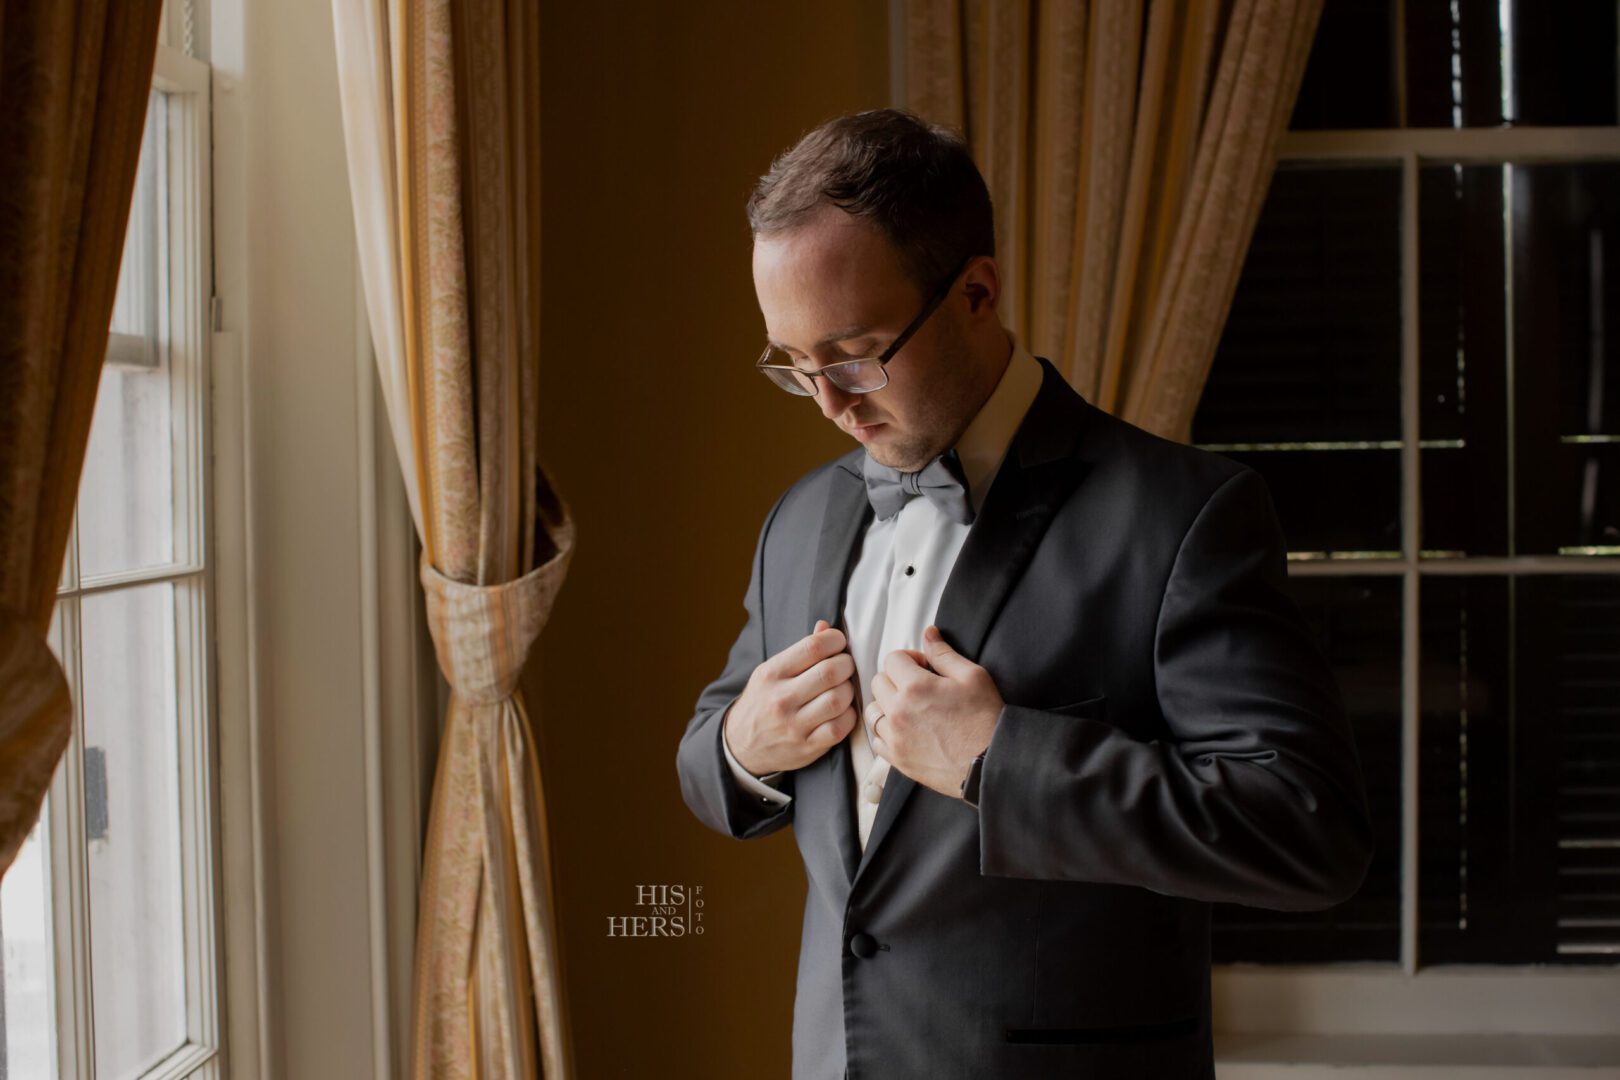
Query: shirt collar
x=984, y=444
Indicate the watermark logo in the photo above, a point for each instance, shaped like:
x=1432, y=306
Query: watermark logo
x=666, y=911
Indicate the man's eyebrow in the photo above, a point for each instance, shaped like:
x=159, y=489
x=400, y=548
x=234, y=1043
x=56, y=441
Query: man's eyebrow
x=828, y=339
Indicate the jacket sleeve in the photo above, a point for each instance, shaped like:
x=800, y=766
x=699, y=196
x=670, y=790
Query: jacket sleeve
x=1255, y=797
x=708, y=784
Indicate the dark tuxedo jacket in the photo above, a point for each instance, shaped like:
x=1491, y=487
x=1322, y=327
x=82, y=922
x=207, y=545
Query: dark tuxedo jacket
x=1172, y=737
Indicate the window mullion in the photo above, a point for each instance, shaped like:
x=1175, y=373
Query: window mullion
x=196, y=814
x=1411, y=546
x=69, y=581
x=70, y=875
x=1476, y=146
x=130, y=579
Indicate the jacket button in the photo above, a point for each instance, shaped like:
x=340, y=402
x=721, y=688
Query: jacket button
x=863, y=945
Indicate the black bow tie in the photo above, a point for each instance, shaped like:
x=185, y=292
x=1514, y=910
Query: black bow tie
x=942, y=481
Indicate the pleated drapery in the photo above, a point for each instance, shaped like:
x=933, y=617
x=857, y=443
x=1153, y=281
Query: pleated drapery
x=441, y=121
x=1128, y=146
x=74, y=82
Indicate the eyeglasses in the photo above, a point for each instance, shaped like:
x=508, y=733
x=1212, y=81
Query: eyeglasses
x=851, y=376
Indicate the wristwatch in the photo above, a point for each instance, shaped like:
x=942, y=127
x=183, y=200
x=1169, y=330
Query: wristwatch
x=970, y=785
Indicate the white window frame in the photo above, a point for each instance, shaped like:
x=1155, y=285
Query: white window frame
x=1403, y=998
x=185, y=218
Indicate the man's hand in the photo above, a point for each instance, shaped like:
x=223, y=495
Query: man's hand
x=796, y=705
x=938, y=710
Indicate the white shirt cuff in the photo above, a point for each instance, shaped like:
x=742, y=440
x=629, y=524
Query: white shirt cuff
x=756, y=785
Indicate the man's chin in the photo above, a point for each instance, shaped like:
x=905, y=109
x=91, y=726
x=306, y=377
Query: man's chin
x=898, y=460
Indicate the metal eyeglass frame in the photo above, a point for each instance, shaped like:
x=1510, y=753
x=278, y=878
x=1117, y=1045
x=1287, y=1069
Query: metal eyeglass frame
x=882, y=360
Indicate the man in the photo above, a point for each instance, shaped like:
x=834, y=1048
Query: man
x=1122, y=718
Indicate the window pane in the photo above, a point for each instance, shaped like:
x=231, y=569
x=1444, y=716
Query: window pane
x=126, y=502
x=27, y=978
x=1462, y=359
x=1350, y=77
x=1305, y=385
x=28, y=963
x=1520, y=771
x=1564, y=63
x=132, y=821
x=1357, y=623
x=135, y=305
x=1559, y=59
x=1566, y=388
x=1454, y=61
x=1563, y=406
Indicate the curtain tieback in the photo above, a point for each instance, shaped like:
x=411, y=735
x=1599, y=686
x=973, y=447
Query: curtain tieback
x=482, y=633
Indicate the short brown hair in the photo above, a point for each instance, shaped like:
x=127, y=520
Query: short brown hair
x=914, y=180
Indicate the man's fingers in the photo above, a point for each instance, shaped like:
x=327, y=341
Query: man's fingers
x=830, y=732
x=809, y=650
x=823, y=676
x=827, y=704
x=904, y=666
x=940, y=656
x=874, y=710
x=885, y=692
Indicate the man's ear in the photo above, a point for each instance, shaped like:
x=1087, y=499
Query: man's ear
x=982, y=283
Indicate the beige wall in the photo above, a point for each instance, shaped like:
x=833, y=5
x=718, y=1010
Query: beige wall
x=657, y=120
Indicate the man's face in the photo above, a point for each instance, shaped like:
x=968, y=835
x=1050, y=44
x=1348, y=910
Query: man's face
x=834, y=289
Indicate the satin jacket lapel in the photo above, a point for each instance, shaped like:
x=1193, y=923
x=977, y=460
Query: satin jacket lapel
x=828, y=779
x=1039, y=472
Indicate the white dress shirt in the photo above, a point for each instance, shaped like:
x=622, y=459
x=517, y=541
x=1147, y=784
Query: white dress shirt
x=896, y=584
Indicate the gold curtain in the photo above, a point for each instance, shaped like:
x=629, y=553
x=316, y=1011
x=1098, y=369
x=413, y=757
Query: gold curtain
x=74, y=79
x=1128, y=146
x=441, y=122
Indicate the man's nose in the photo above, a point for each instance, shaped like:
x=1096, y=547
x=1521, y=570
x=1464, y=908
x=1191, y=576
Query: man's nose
x=832, y=400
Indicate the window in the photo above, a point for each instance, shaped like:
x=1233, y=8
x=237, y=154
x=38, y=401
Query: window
x=1418, y=361
x=108, y=918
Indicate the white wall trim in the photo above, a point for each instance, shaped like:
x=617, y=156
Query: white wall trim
x=252, y=1017
x=371, y=679
x=251, y=980
x=408, y=712
x=244, y=789
x=1450, y=1000
x=327, y=697
x=401, y=707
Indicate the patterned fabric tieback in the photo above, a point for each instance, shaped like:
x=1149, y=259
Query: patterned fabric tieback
x=482, y=633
